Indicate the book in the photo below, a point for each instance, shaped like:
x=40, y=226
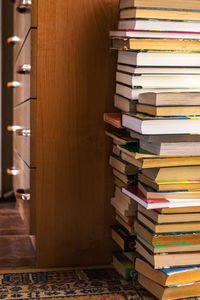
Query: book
x=163, y=99
x=123, y=238
x=124, y=266
x=174, y=4
x=124, y=104
x=120, y=138
x=127, y=179
x=159, y=59
x=113, y=119
x=122, y=166
x=128, y=220
x=173, y=173
x=166, y=239
x=166, y=228
x=179, y=210
x=116, y=203
x=126, y=200
x=172, y=149
x=168, y=138
x=156, y=70
x=124, y=224
x=165, y=29
x=182, y=291
x=159, y=81
x=159, y=217
x=151, y=193
x=165, y=111
x=169, y=248
x=118, y=182
x=116, y=151
x=133, y=94
x=168, y=276
x=160, y=162
x=152, y=13
x=161, y=125
x=183, y=185
x=136, y=195
x=154, y=44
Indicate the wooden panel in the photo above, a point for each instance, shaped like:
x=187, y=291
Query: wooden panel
x=22, y=24
x=21, y=117
x=27, y=88
x=75, y=86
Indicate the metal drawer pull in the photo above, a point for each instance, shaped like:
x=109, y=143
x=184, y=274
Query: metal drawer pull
x=13, y=171
x=13, y=84
x=23, y=132
x=13, y=40
x=13, y=128
x=24, y=6
x=24, y=69
x=23, y=195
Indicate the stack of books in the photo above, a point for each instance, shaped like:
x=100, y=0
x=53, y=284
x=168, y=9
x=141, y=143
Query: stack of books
x=158, y=93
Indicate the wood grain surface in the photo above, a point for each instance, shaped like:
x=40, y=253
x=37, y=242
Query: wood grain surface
x=75, y=86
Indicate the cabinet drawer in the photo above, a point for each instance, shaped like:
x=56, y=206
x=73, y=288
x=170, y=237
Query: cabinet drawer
x=24, y=116
x=25, y=17
x=25, y=70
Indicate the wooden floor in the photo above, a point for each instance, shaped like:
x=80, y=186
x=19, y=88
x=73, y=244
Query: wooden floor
x=15, y=245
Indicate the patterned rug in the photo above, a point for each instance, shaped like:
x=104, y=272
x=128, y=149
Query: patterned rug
x=100, y=284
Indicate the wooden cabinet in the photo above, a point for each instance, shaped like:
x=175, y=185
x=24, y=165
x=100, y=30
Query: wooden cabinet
x=62, y=101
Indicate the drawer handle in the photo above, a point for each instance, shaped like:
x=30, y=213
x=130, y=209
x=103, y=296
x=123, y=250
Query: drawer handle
x=24, y=69
x=13, y=128
x=13, y=40
x=24, y=6
x=22, y=195
x=13, y=84
x=23, y=132
x=13, y=171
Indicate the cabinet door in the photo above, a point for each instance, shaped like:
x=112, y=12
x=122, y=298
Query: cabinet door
x=75, y=86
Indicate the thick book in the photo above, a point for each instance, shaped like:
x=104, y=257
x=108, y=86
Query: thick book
x=162, y=218
x=180, y=291
x=155, y=162
x=124, y=104
x=174, y=4
x=173, y=248
x=151, y=193
x=165, y=30
x=124, y=224
x=159, y=59
x=127, y=179
x=119, y=43
x=166, y=228
x=124, y=266
x=170, y=99
x=156, y=70
x=167, y=260
x=113, y=119
x=172, y=148
x=168, y=138
x=173, y=173
x=166, y=239
x=120, y=138
x=127, y=211
x=167, y=276
x=122, y=166
x=127, y=220
x=159, y=81
x=165, y=14
x=161, y=125
x=134, y=93
x=136, y=195
x=123, y=238
x=165, y=111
